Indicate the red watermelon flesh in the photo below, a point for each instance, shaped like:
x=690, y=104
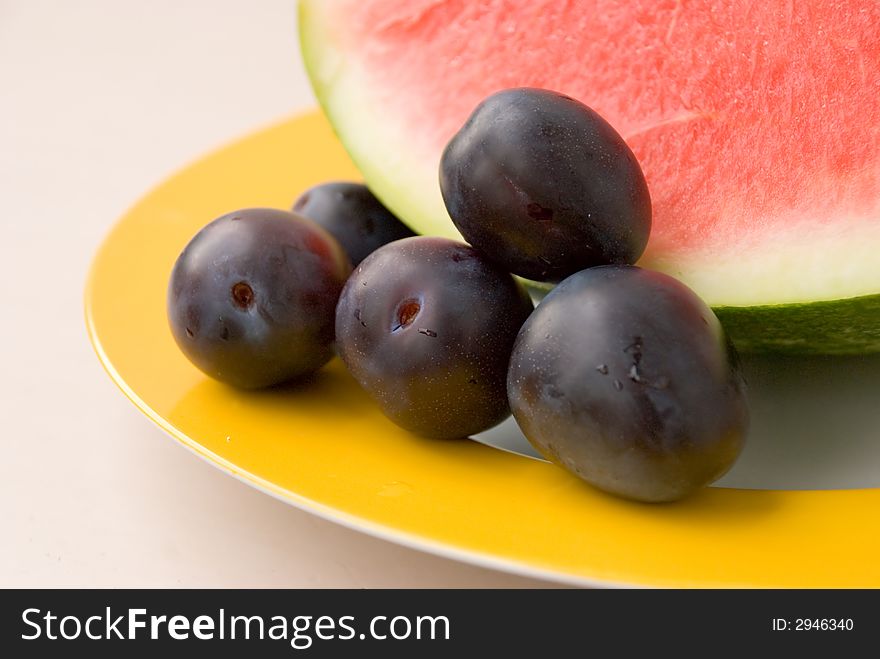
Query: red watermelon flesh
x=757, y=124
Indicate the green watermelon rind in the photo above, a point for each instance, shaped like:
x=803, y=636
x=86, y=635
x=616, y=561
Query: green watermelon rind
x=833, y=327
x=843, y=326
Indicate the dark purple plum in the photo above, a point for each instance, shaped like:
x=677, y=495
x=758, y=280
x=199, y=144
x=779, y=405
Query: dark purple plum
x=426, y=326
x=353, y=215
x=545, y=186
x=625, y=378
x=252, y=297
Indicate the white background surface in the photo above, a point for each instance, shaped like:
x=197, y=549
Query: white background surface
x=99, y=101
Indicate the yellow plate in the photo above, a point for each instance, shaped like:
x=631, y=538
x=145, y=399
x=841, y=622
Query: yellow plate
x=327, y=449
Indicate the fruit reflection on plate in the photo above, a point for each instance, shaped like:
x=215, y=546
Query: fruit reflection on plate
x=326, y=448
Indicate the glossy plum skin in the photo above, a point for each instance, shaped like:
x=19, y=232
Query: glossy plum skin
x=252, y=297
x=353, y=215
x=625, y=378
x=426, y=326
x=545, y=186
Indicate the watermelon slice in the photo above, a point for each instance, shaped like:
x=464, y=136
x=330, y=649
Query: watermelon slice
x=757, y=125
